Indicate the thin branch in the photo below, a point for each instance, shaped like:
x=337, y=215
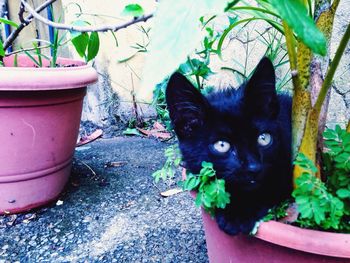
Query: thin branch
x=84, y=28
x=330, y=73
x=21, y=15
x=26, y=20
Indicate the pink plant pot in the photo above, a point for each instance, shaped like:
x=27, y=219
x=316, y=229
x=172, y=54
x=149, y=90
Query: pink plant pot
x=274, y=242
x=40, y=111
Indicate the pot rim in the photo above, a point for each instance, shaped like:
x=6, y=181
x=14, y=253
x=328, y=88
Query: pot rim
x=27, y=77
x=307, y=240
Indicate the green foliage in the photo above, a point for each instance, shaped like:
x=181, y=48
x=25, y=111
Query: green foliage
x=93, y=46
x=86, y=44
x=297, y=17
x=160, y=105
x=131, y=131
x=181, y=19
x=210, y=190
x=277, y=212
x=294, y=13
x=337, y=166
x=134, y=10
x=318, y=205
x=172, y=153
x=8, y=22
x=197, y=67
x=2, y=50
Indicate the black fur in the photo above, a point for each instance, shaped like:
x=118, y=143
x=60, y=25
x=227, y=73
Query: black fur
x=257, y=177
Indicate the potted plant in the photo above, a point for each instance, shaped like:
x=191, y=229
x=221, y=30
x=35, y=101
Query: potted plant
x=307, y=27
x=40, y=108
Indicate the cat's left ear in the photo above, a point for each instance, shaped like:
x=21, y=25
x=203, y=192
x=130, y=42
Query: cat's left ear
x=186, y=105
x=260, y=91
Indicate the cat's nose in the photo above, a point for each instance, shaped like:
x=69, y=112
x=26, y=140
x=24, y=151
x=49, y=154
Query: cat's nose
x=254, y=167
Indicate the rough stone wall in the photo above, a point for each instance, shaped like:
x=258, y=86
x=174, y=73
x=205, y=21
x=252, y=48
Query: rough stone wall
x=242, y=46
x=339, y=106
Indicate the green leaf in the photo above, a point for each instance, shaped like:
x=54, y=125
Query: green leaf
x=191, y=183
x=198, y=200
x=133, y=10
x=130, y=131
x=8, y=22
x=207, y=165
x=207, y=199
x=93, y=46
x=302, y=199
x=296, y=16
x=2, y=50
x=343, y=193
x=80, y=42
x=176, y=33
x=330, y=134
x=342, y=158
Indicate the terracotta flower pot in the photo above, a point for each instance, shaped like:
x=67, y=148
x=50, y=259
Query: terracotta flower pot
x=274, y=242
x=40, y=111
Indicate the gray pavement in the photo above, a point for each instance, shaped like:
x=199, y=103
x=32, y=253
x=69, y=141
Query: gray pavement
x=109, y=213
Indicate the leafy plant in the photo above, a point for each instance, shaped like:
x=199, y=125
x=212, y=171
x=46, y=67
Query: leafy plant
x=278, y=212
x=159, y=103
x=306, y=27
x=316, y=205
x=337, y=167
x=210, y=191
x=326, y=205
x=172, y=153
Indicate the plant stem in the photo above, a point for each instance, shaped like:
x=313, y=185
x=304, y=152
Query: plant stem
x=348, y=126
x=290, y=41
x=301, y=97
x=333, y=66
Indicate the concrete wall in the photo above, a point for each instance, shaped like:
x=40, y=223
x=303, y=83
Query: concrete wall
x=113, y=95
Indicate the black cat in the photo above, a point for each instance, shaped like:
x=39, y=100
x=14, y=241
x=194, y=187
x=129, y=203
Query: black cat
x=246, y=134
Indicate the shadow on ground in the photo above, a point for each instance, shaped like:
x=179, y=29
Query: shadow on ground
x=111, y=211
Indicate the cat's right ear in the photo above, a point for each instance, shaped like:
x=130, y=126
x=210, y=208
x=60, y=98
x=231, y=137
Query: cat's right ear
x=186, y=106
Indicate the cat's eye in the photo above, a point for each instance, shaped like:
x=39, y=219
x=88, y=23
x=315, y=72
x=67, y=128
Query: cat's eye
x=264, y=139
x=221, y=146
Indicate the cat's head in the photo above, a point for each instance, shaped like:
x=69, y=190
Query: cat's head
x=236, y=130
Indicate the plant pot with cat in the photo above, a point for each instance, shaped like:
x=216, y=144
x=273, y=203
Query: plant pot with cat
x=40, y=110
x=274, y=241
x=255, y=120
x=264, y=147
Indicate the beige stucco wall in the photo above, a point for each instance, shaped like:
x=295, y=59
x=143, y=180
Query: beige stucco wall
x=124, y=78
